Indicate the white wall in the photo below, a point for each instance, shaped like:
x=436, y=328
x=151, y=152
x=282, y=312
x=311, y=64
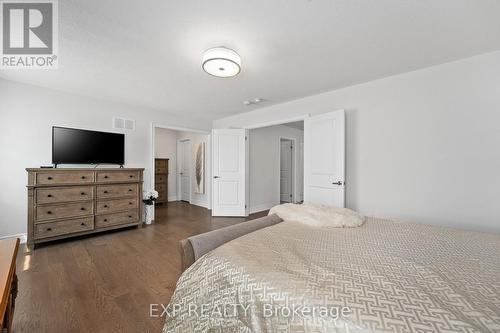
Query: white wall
x=197, y=138
x=423, y=146
x=166, y=147
x=265, y=165
x=27, y=114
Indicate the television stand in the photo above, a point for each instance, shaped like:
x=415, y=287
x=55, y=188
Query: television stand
x=69, y=202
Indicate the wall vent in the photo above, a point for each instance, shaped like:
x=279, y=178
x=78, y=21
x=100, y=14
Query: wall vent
x=122, y=123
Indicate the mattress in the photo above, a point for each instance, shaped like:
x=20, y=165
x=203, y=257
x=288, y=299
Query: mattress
x=384, y=276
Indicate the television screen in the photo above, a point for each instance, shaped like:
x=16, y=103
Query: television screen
x=76, y=146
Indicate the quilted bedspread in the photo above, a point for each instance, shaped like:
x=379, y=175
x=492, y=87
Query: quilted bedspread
x=384, y=276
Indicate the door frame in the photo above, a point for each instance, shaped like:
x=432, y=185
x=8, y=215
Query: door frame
x=153, y=128
x=294, y=166
x=275, y=122
x=179, y=162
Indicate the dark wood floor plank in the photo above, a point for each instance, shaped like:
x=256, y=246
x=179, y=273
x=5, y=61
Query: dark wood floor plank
x=106, y=282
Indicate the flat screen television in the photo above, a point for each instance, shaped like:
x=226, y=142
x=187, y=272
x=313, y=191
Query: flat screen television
x=76, y=146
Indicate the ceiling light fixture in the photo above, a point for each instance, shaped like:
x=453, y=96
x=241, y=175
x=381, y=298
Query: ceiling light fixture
x=221, y=62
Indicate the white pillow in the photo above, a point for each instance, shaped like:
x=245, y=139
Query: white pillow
x=318, y=215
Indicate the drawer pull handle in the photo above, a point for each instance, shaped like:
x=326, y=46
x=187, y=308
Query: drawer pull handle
x=83, y=177
x=83, y=208
x=130, y=216
x=131, y=176
x=50, y=195
x=49, y=178
x=83, y=193
x=106, y=177
x=105, y=192
x=105, y=220
x=49, y=229
x=49, y=212
x=129, y=203
x=130, y=190
x=105, y=206
x=82, y=224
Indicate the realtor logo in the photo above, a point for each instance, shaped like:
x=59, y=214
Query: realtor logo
x=29, y=34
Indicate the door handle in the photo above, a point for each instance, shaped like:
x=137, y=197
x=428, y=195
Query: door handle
x=337, y=183
x=181, y=173
x=215, y=177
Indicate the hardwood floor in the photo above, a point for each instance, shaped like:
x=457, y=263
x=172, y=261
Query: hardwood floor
x=106, y=283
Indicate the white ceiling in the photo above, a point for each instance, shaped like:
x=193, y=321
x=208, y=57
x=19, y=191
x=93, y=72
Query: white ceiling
x=148, y=52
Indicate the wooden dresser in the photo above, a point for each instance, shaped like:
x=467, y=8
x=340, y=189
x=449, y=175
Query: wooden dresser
x=161, y=180
x=8, y=282
x=64, y=203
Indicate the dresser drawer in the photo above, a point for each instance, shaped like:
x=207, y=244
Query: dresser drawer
x=52, y=212
x=161, y=170
x=160, y=187
x=80, y=177
x=116, y=205
x=160, y=163
x=64, y=194
x=103, y=221
x=51, y=229
x=117, y=191
x=162, y=195
x=160, y=178
x=117, y=176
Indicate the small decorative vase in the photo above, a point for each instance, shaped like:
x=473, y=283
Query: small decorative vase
x=148, y=214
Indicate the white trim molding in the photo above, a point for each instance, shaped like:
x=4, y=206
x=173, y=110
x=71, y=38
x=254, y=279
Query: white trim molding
x=23, y=238
x=278, y=122
x=295, y=166
x=200, y=203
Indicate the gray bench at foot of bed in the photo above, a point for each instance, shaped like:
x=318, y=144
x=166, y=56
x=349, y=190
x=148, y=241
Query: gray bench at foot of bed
x=195, y=247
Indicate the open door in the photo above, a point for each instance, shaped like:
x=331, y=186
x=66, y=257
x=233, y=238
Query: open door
x=324, y=159
x=230, y=172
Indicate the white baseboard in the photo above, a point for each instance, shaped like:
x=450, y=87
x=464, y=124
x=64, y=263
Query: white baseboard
x=172, y=198
x=262, y=207
x=23, y=238
x=199, y=203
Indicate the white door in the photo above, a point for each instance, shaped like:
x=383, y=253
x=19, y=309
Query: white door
x=184, y=170
x=324, y=159
x=230, y=172
x=286, y=173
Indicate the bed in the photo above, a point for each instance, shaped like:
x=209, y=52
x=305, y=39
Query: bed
x=384, y=276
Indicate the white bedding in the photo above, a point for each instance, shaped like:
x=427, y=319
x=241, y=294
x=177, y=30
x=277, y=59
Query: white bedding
x=392, y=277
x=318, y=215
